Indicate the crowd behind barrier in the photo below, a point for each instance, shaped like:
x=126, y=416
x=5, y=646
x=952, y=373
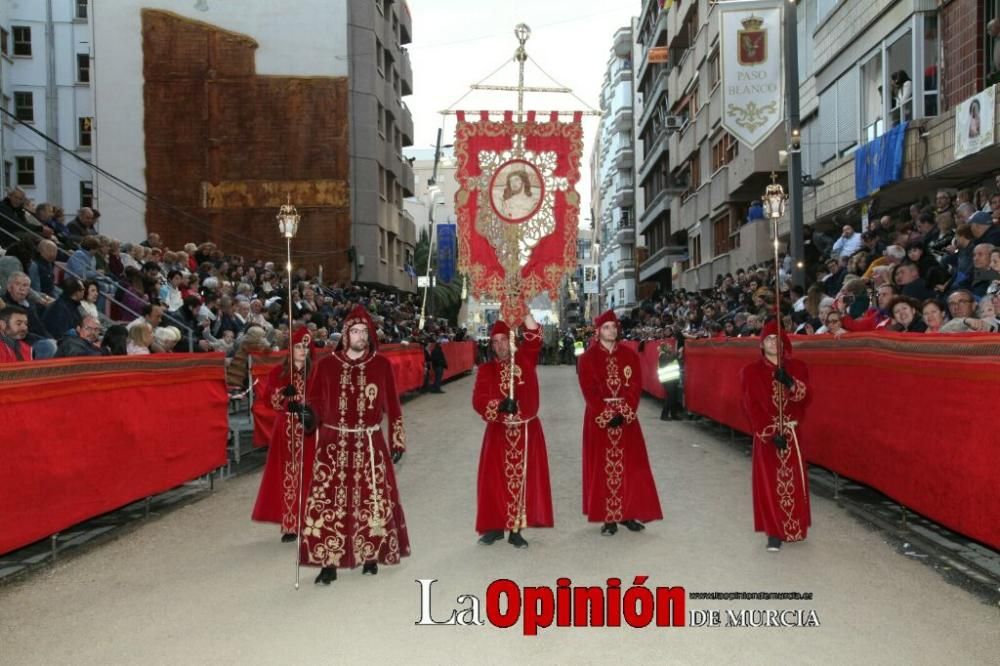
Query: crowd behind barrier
x=143, y=425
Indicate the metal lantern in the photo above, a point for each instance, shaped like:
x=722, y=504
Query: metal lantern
x=288, y=221
x=774, y=199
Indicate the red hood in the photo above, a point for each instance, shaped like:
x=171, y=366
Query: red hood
x=359, y=315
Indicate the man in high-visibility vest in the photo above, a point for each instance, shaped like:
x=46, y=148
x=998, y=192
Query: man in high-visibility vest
x=669, y=374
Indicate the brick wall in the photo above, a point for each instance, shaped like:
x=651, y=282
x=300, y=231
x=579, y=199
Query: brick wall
x=225, y=145
x=962, y=30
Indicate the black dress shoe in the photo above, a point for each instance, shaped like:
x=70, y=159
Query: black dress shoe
x=490, y=538
x=326, y=575
x=287, y=538
x=609, y=529
x=515, y=539
x=370, y=569
x=773, y=544
x=633, y=525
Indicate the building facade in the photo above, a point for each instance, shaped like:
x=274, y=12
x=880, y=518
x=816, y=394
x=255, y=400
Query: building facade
x=613, y=161
x=45, y=67
x=213, y=109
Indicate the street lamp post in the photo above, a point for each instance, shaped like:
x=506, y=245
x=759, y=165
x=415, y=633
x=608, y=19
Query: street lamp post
x=774, y=208
x=795, y=234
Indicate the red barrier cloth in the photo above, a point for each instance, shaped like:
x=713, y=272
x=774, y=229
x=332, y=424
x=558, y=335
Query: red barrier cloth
x=461, y=357
x=84, y=436
x=897, y=412
x=649, y=358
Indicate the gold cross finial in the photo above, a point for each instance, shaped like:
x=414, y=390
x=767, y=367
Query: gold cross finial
x=774, y=178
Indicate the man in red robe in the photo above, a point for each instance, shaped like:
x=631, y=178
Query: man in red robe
x=780, y=481
x=513, y=488
x=353, y=515
x=618, y=484
x=290, y=452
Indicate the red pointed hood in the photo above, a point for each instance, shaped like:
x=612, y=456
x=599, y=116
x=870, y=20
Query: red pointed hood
x=606, y=317
x=359, y=315
x=771, y=328
x=499, y=327
x=303, y=335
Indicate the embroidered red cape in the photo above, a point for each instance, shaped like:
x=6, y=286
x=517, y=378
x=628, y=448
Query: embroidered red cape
x=618, y=483
x=501, y=461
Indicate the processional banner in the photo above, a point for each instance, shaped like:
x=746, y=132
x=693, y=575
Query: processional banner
x=517, y=206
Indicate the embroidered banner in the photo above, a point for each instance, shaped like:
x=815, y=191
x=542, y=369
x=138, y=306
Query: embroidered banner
x=446, y=253
x=517, y=206
x=974, y=123
x=752, y=69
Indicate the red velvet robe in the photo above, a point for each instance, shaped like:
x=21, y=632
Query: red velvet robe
x=617, y=480
x=780, y=478
x=353, y=514
x=276, y=499
x=500, y=502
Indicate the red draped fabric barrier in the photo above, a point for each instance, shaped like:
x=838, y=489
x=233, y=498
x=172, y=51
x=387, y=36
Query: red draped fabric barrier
x=461, y=357
x=84, y=436
x=911, y=416
x=407, y=366
x=649, y=357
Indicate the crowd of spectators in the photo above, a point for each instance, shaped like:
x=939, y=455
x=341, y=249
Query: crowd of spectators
x=931, y=268
x=80, y=293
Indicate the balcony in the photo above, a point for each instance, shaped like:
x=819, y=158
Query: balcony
x=624, y=196
x=406, y=125
x=761, y=160
x=408, y=180
x=625, y=236
x=405, y=221
x=405, y=72
x=405, y=24
x=623, y=42
x=687, y=68
x=661, y=260
x=653, y=99
x=624, y=156
x=654, y=154
x=719, y=189
x=623, y=119
x=654, y=210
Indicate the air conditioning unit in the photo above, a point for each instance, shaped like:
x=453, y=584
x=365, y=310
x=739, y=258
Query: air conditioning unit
x=674, y=122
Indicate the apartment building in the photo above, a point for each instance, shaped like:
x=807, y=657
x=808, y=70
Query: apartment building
x=613, y=205
x=45, y=68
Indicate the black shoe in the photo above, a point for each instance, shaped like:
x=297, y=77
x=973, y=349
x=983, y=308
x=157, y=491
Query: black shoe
x=489, y=538
x=515, y=539
x=287, y=538
x=773, y=544
x=666, y=417
x=326, y=575
x=609, y=529
x=370, y=569
x=633, y=525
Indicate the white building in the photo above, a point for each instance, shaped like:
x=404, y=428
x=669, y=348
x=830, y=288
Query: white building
x=614, y=204
x=443, y=203
x=45, y=75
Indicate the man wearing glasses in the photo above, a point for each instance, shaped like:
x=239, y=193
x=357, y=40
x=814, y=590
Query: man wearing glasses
x=84, y=343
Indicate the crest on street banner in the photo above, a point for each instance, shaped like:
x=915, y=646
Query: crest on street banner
x=752, y=41
x=517, y=206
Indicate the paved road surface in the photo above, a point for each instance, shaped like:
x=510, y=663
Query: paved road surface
x=205, y=585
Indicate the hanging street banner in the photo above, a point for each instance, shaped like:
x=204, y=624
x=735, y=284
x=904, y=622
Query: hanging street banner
x=446, y=252
x=591, y=283
x=517, y=206
x=974, y=123
x=753, y=94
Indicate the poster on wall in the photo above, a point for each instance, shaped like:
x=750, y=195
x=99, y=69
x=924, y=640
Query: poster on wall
x=974, y=123
x=752, y=69
x=590, y=281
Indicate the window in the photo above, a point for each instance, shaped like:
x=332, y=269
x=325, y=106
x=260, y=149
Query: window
x=83, y=68
x=380, y=6
x=381, y=119
x=22, y=40
x=720, y=235
x=735, y=221
x=899, y=56
x=5, y=101
x=714, y=70
x=7, y=166
x=692, y=173
x=696, y=251
x=81, y=9
x=86, y=194
x=871, y=98
x=4, y=42
x=24, y=106
x=381, y=182
x=86, y=125
x=25, y=171
x=724, y=151
x=931, y=65
x=380, y=58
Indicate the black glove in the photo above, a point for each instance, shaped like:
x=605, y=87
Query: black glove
x=508, y=406
x=783, y=377
x=780, y=442
x=295, y=407
x=396, y=455
x=289, y=391
x=616, y=421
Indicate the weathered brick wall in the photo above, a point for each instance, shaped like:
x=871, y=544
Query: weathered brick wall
x=225, y=145
x=962, y=30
